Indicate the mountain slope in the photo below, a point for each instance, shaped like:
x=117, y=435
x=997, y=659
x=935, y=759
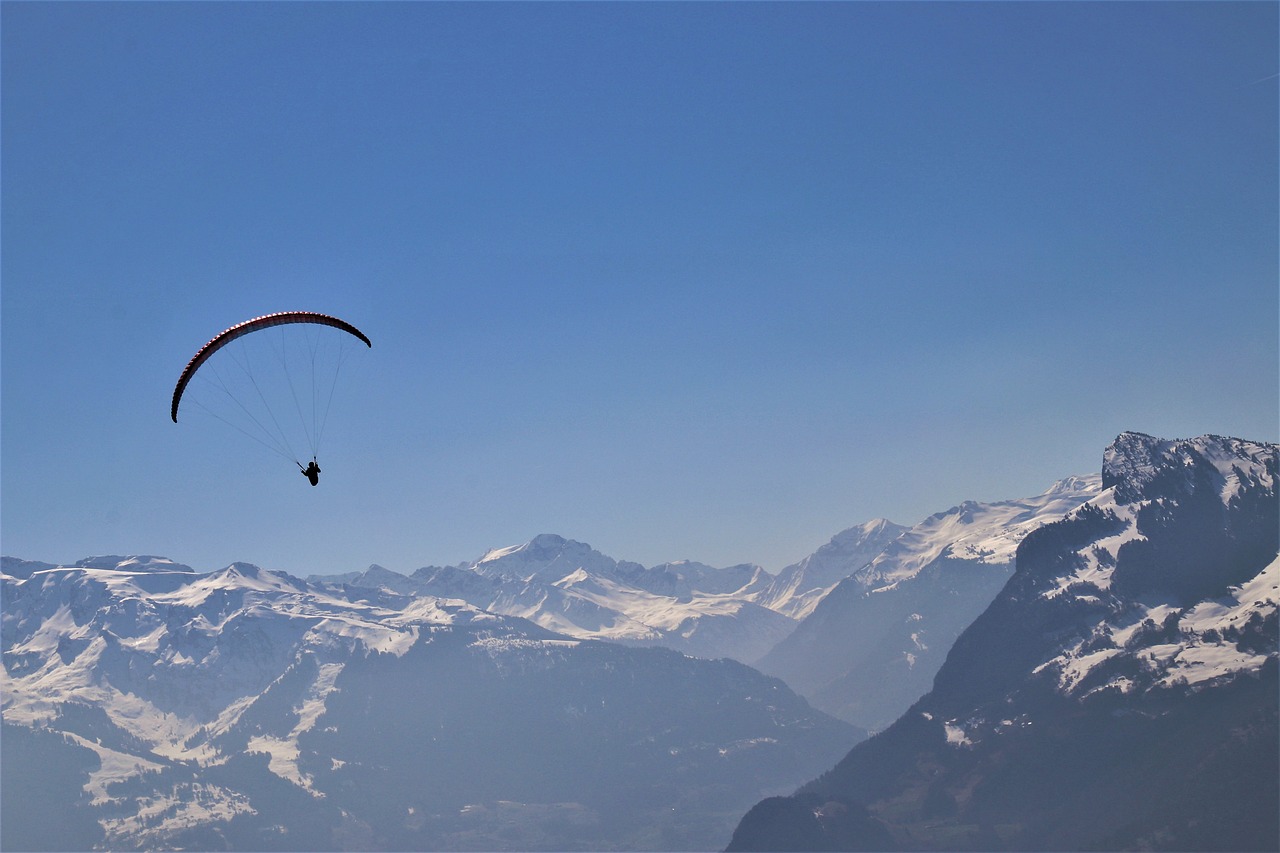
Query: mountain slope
x=1119, y=693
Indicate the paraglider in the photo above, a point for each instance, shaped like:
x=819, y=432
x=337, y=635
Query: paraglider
x=253, y=373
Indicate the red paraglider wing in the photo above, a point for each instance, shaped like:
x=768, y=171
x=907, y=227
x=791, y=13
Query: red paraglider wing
x=240, y=329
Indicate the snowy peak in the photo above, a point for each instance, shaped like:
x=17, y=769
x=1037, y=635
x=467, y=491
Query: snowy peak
x=853, y=546
x=1072, y=485
x=376, y=577
x=1166, y=578
x=685, y=578
x=987, y=533
x=243, y=570
x=139, y=563
x=545, y=558
x=15, y=567
x=542, y=548
x=247, y=576
x=798, y=588
x=1139, y=466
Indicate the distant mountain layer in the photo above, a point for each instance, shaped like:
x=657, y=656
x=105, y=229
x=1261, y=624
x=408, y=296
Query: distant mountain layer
x=17, y=568
x=872, y=645
x=1120, y=692
x=146, y=706
x=569, y=587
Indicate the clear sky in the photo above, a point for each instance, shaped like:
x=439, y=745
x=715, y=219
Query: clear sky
x=680, y=280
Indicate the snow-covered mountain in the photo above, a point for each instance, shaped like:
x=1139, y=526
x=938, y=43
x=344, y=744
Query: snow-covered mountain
x=1121, y=691
x=149, y=706
x=18, y=568
x=176, y=647
x=569, y=587
x=798, y=588
x=872, y=645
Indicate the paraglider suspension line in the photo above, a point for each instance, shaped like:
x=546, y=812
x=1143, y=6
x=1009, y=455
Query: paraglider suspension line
x=283, y=355
x=342, y=354
x=274, y=448
x=253, y=380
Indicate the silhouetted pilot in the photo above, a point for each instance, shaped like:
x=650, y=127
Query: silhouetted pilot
x=312, y=472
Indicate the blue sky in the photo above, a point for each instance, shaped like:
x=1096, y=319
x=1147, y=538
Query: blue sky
x=705, y=281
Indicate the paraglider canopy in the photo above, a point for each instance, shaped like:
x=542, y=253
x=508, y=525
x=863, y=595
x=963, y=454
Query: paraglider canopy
x=272, y=367
x=257, y=323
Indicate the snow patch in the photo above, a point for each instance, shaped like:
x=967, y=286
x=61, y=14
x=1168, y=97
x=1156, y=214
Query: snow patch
x=186, y=807
x=1203, y=647
x=956, y=735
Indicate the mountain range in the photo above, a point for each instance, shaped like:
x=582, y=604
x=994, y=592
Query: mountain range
x=151, y=706
x=547, y=696
x=882, y=601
